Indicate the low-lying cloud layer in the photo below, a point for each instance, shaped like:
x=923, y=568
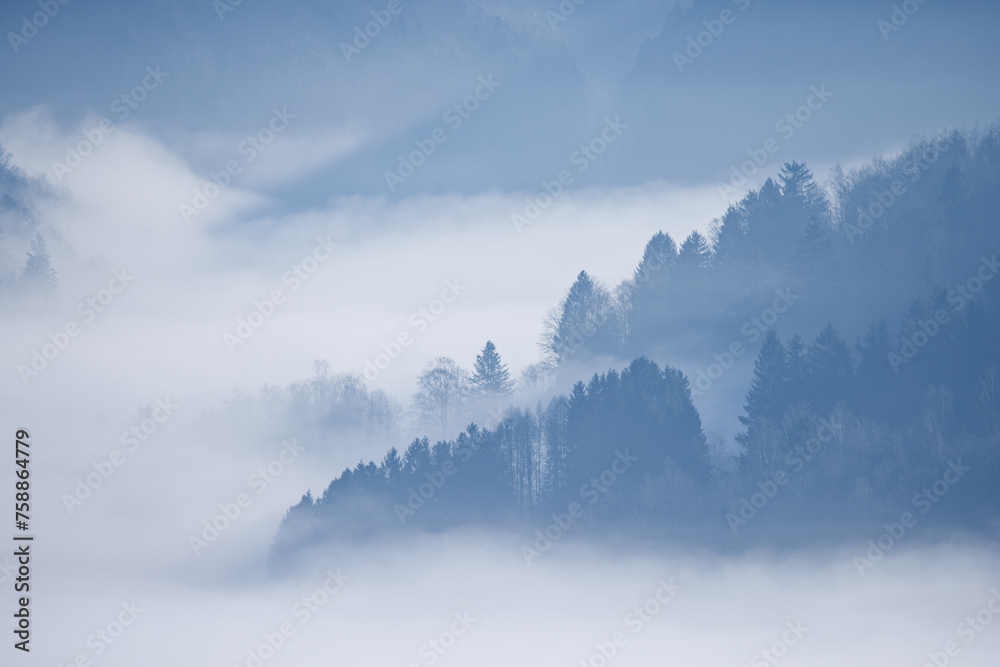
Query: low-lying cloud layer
x=380, y=268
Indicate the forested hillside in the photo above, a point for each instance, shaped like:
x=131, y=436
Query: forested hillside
x=892, y=403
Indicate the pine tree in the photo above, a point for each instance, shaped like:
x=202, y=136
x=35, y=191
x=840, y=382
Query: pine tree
x=417, y=457
x=38, y=277
x=695, y=253
x=580, y=324
x=768, y=395
x=644, y=304
x=779, y=215
x=729, y=239
x=392, y=466
x=763, y=440
x=657, y=261
x=490, y=377
x=762, y=218
x=799, y=186
x=440, y=452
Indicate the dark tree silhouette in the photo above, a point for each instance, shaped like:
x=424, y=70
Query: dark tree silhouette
x=490, y=377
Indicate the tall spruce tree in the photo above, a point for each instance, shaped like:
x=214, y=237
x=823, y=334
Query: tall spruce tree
x=695, y=253
x=580, y=326
x=417, y=457
x=490, y=377
x=799, y=187
x=768, y=395
x=657, y=261
x=392, y=466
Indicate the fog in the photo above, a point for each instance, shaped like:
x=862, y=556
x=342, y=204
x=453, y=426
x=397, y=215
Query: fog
x=388, y=604
x=400, y=593
x=129, y=541
x=325, y=341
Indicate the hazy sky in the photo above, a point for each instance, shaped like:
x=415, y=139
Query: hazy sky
x=558, y=81
x=215, y=85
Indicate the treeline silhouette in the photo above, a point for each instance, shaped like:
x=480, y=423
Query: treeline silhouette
x=876, y=239
x=626, y=444
x=836, y=436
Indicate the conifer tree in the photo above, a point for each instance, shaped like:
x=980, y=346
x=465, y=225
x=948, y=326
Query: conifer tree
x=392, y=466
x=657, y=261
x=695, y=253
x=581, y=323
x=417, y=457
x=490, y=377
x=799, y=187
x=767, y=398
